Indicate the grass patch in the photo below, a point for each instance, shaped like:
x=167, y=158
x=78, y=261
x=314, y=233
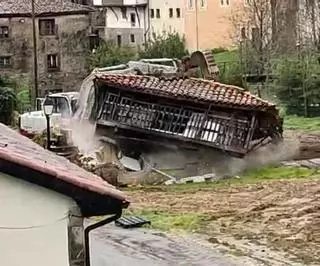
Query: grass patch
x=228, y=56
x=302, y=123
x=281, y=172
x=166, y=221
x=248, y=177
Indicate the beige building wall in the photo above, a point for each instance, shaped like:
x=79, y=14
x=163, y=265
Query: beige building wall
x=33, y=224
x=208, y=23
x=167, y=15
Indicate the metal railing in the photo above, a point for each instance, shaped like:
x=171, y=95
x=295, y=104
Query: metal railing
x=207, y=127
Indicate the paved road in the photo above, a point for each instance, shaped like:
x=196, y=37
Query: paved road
x=113, y=246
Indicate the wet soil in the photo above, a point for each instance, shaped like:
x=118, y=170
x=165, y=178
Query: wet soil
x=276, y=222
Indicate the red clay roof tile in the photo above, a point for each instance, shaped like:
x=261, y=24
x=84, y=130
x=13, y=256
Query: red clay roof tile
x=22, y=151
x=23, y=7
x=191, y=89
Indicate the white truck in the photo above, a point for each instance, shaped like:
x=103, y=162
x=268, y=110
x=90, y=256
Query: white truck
x=64, y=106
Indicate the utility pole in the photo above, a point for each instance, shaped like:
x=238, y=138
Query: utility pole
x=35, y=55
x=197, y=24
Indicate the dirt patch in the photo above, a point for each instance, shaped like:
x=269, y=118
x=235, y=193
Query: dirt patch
x=280, y=215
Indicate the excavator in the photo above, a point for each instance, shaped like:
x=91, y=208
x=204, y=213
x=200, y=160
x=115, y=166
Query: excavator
x=171, y=114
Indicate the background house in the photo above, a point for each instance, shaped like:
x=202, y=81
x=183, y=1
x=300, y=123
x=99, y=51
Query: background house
x=167, y=16
x=208, y=23
x=122, y=22
x=44, y=199
x=62, y=42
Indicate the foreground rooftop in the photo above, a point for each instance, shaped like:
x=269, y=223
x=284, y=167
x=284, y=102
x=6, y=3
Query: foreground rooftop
x=22, y=158
x=42, y=7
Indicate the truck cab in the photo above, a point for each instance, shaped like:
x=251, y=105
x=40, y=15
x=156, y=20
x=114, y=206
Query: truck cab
x=64, y=107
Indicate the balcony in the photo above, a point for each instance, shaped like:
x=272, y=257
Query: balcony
x=123, y=2
x=134, y=2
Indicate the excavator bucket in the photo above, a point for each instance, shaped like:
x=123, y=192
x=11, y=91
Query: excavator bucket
x=205, y=61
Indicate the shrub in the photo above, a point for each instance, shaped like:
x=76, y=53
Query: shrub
x=167, y=45
x=109, y=54
x=219, y=50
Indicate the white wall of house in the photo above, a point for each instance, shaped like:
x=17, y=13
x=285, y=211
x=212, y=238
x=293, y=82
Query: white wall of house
x=33, y=224
x=121, y=18
x=134, y=2
x=170, y=20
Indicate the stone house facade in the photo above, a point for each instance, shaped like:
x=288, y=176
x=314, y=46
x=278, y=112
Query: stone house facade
x=62, y=39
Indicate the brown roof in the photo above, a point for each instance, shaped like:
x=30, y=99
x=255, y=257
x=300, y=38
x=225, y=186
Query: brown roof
x=22, y=151
x=23, y=7
x=189, y=89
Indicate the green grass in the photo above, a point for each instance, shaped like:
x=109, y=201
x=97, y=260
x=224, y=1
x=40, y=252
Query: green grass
x=166, y=221
x=302, y=123
x=228, y=56
x=269, y=173
x=281, y=172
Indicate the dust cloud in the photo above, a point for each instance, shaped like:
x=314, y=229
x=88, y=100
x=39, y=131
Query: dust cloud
x=268, y=155
x=83, y=131
x=188, y=162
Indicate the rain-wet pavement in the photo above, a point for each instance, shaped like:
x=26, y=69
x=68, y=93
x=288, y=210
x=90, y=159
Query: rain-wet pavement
x=114, y=246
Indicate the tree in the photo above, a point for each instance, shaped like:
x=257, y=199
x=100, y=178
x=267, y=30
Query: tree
x=167, y=45
x=8, y=103
x=108, y=54
x=254, y=35
x=297, y=84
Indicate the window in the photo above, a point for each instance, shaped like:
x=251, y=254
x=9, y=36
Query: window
x=132, y=38
x=178, y=12
x=190, y=4
x=119, y=40
x=151, y=13
x=133, y=19
x=4, y=32
x=94, y=41
x=158, y=13
x=225, y=2
x=255, y=36
x=202, y=3
x=5, y=61
x=170, y=12
x=74, y=105
x=124, y=12
x=243, y=33
x=47, y=27
x=60, y=105
x=52, y=62
x=81, y=2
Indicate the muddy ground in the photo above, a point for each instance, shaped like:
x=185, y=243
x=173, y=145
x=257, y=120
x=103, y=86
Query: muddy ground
x=275, y=222
x=256, y=220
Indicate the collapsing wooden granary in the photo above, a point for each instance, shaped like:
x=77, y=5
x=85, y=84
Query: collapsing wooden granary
x=189, y=110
